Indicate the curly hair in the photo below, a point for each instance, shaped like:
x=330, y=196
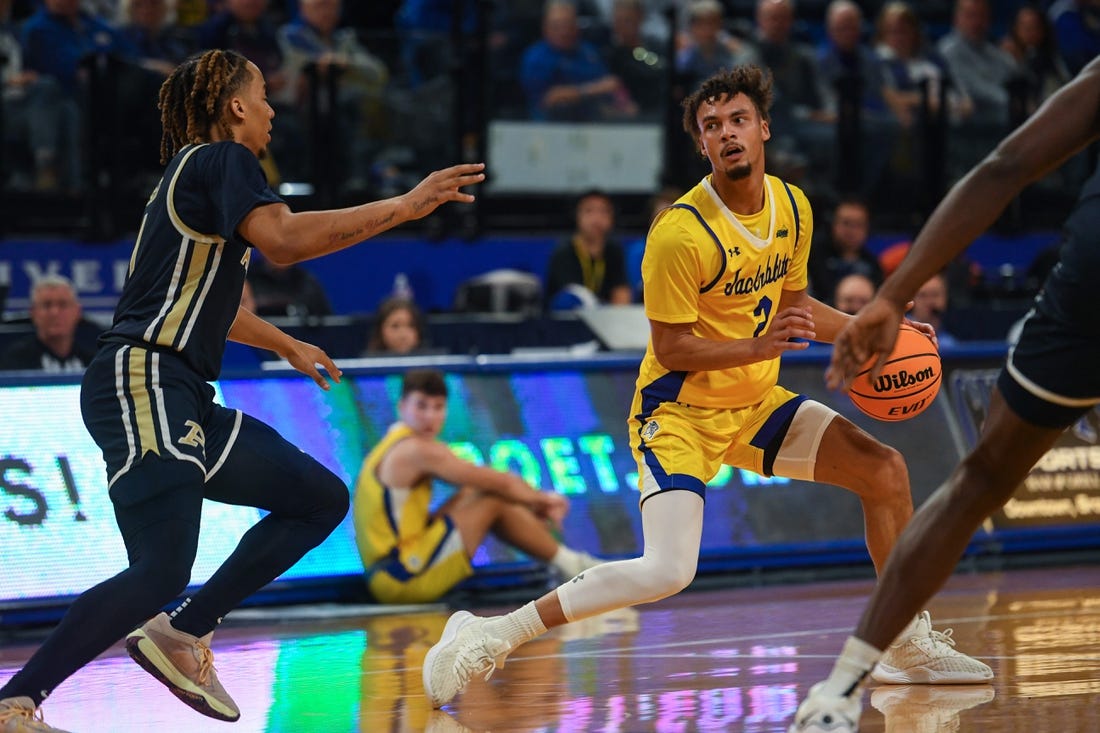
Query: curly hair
x=754, y=82
x=194, y=97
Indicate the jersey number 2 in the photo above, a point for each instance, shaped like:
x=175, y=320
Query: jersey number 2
x=763, y=310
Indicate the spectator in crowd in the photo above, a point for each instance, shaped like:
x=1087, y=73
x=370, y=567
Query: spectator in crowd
x=845, y=250
x=654, y=21
x=636, y=59
x=851, y=73
x=590, y=257
x=908, y=63
x=708, y=48
x=635, y=249
x=55, y=314
x=564, y=78
x=60, y=33
x=158, y=43
x=245, y=27
x=398, y=328
x=930, y=306
x=286, y=290
x=31, y=110
x=413, y=555
x=917, y=85
x=1031, y=43
x=315, y=38
x=853, y=292
x=803, y=129
x=54, y=40
x=1077, y=29
x=983, y=72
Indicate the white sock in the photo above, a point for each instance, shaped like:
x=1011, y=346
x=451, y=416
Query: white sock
x=568, y=561
x=856, y=660
x=517, y=627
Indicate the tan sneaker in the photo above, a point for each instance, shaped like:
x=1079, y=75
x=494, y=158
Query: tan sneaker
x=18, y=715
x=185, y=664
x=923, y=656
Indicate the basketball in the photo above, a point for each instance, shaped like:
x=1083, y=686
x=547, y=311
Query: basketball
x=909, y=381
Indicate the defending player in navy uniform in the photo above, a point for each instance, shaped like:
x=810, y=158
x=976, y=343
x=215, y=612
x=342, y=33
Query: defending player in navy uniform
x=147, y=403
x=1050, y=378
x=725, y=283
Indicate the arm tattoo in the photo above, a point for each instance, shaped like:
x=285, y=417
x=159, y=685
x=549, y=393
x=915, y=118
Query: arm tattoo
x=340, y=237
x=419, y=206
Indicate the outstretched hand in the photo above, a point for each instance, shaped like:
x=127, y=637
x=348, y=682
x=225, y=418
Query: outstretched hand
x=306, y=358
x=442, y=186
x=871, y=334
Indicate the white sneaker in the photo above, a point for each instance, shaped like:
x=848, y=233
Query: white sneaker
x=821, y=713
x=927, y=708
x=928, y=657
x=463, y=650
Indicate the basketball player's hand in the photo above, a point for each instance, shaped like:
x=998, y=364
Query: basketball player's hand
x=306, y=358
x=871, y=333
x=551, y=506
x=443, y=186
x=926, y=328
x=790, y=323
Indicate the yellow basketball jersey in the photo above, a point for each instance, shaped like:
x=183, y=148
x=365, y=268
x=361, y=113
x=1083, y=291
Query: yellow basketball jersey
x=384, y=516
x=725, y=273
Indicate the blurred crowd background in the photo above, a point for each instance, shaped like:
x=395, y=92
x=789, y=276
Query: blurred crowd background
x=574, y=106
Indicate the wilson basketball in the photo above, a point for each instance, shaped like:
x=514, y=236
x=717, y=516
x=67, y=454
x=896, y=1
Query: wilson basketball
x=909, y=381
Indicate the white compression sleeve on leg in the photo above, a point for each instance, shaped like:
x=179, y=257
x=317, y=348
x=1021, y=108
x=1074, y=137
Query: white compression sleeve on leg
x=672, y=528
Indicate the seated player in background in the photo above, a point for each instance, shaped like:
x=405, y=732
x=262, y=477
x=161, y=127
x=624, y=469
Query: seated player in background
x=413, y=555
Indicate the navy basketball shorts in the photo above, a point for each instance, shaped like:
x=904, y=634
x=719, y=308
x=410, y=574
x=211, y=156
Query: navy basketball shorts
x=140, y=404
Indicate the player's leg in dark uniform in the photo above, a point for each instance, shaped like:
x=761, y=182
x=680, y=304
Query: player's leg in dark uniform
x=304, y=500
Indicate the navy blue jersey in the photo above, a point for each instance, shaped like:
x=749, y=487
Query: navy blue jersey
x=188, y=265
x=1070, y=290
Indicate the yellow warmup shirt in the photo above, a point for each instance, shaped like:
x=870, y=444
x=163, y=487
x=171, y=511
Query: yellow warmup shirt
x=725, y=273
x=384, y=516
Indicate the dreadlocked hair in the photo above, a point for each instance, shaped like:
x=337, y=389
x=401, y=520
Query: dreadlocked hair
x=750, y=80
x=194, y=97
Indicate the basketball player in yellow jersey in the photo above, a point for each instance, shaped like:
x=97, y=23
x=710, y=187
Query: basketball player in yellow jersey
x=413, y=555
x=724, y=277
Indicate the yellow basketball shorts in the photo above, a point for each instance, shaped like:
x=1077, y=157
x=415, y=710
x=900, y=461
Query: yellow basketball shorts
x=678, y=446
x=423, y=568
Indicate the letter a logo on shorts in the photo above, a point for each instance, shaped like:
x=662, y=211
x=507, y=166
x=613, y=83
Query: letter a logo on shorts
x=194, y=437
x=650, y=429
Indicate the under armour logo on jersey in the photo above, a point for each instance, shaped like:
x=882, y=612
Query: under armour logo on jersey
x=195, y=436
x=734, y=251
x=781, y=233
x=579, y=577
